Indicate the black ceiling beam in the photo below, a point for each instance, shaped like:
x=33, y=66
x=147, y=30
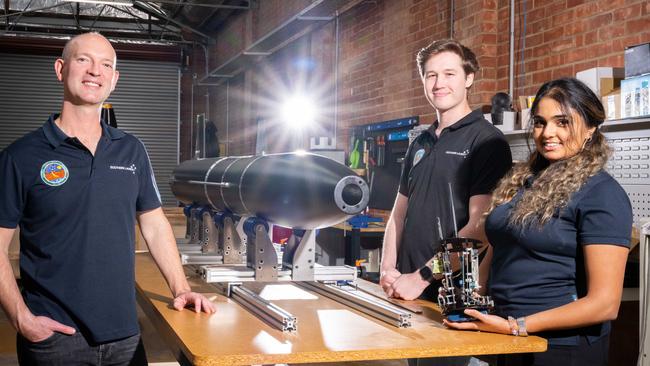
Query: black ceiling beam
x=208, y=5
x=144, y=7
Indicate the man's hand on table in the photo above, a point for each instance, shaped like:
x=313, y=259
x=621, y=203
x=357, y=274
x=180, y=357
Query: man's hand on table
x=409, y=286
x=387, y=278
x=198, y=301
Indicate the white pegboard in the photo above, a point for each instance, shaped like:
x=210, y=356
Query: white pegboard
x=630, y=166
x=639, y=197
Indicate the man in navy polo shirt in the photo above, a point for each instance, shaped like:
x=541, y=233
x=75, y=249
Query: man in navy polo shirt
x=75, y=186
x=460, y=149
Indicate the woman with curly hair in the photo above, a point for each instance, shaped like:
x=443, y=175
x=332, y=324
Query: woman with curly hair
x=560, y=228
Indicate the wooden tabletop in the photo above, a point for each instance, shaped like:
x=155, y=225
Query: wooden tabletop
x=327, y=330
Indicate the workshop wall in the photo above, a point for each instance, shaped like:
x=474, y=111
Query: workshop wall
x=271, y=13
x=187, y=106
x=562, y=37
x=253, y=97
x=234, y=36
x=475, y=26
x=242, y=127
x=378, y=78
x=306, y=66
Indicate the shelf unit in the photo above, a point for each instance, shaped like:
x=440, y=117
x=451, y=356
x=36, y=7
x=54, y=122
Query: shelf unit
x=610, y=125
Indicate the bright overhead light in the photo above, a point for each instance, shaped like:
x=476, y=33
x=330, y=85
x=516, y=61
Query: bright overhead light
x=105, y=2
x=298, y=112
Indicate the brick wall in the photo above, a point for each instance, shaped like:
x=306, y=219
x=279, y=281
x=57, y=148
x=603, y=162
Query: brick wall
x=241, y=126
x=271, y=13
x=378, y=78
x=221, y=116
x=231, y=40
x=475, y=25
x=236, y=115
x=563, y=37
x=378, y=75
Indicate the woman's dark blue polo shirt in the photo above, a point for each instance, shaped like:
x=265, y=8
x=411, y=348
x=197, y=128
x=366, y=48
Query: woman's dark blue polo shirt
x=76, y=214
x=536, y=269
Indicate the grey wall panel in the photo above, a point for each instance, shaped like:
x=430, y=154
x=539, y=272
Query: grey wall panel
x=145, y=101
x=29, y=92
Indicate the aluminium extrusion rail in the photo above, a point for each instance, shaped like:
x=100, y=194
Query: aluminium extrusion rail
x=200, y=258
x=271, y=313
x=375, y=308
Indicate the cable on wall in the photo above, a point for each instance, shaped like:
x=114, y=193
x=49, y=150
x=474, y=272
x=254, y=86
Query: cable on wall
x=522, y=35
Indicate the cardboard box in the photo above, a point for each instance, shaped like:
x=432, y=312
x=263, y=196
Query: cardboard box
x=592, y=77
x=608, y=85
x=523, y=102
x=635, y=96
x=637, y=60
x=529, y=101
x=524, y=118
x=612, y=104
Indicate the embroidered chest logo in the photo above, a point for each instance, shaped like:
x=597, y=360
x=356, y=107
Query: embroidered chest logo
x=54, y=173
x=132, y=168
x=418, y=156
x=461, y=153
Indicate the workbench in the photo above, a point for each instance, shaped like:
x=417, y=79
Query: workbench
x=327, y=331
x=353, y=238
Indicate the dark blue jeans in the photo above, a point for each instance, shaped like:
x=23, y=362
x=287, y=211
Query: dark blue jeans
x=63, y=350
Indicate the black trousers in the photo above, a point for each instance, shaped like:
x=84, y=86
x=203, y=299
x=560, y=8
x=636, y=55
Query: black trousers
x=583, y=354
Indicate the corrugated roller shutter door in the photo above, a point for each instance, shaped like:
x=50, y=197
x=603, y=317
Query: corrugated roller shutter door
x=145, y=102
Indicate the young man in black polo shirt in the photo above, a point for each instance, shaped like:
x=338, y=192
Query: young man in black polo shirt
x=75, y=186
x=462, y=149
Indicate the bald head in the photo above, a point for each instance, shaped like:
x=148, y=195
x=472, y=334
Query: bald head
x=87, y=69
x=72, y=43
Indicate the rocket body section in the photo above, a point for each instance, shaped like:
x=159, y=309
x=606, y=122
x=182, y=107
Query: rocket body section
x=297, y=190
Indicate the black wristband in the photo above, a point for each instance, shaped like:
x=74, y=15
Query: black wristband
x=426, y=273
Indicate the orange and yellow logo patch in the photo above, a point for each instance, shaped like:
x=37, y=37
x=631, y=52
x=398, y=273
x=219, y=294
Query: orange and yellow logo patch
x=54, y=173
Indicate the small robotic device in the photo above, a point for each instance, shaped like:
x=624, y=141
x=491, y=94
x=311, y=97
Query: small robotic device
x=459, y=291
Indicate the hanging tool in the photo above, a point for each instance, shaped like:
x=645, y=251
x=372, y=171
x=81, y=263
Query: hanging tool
x=381, y=150
x=378, y=148
x=371, y=149
x=365, y=153
x=354, y=155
